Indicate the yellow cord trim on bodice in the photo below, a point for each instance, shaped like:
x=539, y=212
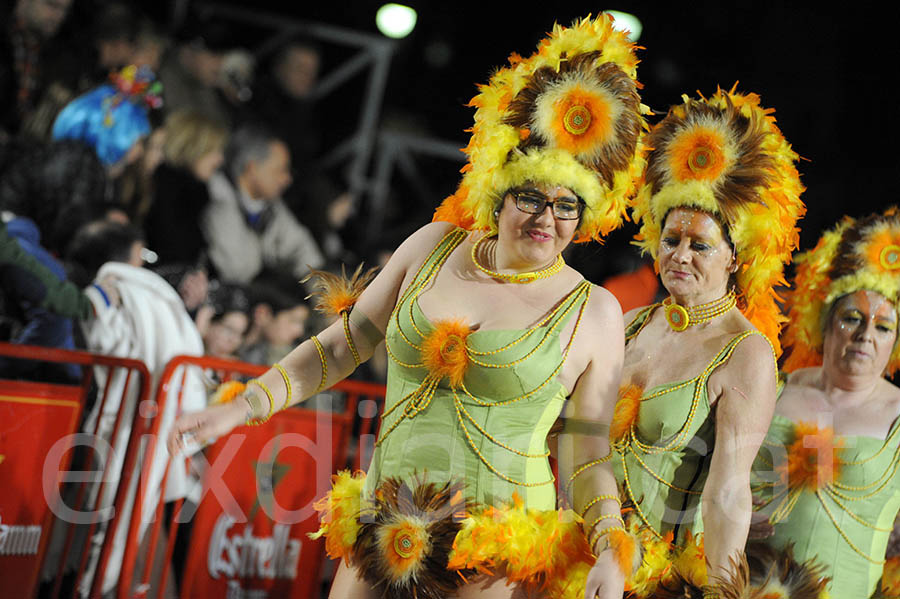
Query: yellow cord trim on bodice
x=418, y=400
x=837, y=491
x=629, y=443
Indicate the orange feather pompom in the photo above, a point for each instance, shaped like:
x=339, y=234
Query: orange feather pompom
x=628, y=409
x=227, y=392
x=336, y=294
x=698, y=155
x=444, y=351
x=626, y=549
x=812, y=459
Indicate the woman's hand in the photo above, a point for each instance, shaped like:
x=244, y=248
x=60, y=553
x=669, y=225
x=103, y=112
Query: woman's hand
x=605, y=580
x=199, y=428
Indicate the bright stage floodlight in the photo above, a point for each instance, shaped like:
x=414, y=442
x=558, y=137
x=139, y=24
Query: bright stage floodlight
x=627, y=22
x=395, y=20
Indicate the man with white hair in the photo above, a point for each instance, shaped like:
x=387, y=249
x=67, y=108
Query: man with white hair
x=249, y=230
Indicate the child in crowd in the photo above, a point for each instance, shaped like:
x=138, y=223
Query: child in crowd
x=279, y=320
x=224, y=334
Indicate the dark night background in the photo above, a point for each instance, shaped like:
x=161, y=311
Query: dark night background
x=829, y=73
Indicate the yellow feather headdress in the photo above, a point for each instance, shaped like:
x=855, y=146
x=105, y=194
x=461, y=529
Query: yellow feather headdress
x=856, y=254
x=568, y=115
x=724, y=155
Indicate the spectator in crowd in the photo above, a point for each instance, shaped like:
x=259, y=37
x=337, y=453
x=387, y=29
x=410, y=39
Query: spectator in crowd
x=279, y=320
x=45, y=195
x=148, y=324
x=26, y=52
x=229, y=321
x=191, y=71
x=283, y=97
x=193, y=151
x=284, y=100
x=120, y=36
x=112, y=118
x=134, y=189
x=250, y=232
x=115, y=33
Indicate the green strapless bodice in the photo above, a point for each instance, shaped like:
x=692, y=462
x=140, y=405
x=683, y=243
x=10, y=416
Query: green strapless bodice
x=845, y=523
x=663, y=461
x=490, y=431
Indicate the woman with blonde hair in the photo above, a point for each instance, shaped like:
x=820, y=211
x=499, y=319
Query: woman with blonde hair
x=192, y=151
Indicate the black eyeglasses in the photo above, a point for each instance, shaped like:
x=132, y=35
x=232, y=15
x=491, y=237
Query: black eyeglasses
x=535, y=202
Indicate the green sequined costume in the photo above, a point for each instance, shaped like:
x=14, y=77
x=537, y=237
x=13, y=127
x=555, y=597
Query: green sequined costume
x=662, y=461
x=845, y=523
x=491, y=431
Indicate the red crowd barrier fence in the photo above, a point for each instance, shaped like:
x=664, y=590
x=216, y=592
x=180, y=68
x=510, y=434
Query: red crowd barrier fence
x=248, y=527
x=112, y=523
x=38, y=438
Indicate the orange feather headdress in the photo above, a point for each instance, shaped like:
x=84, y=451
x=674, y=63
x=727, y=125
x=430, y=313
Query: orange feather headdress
x=568, y=115
x=725, y=156
x=856, y=254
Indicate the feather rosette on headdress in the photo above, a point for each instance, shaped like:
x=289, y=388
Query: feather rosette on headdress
x=568, y=115
x=855, y=255
x=725, y=156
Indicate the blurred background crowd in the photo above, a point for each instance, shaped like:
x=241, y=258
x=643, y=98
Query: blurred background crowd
x=227, y=149
x=148, y=172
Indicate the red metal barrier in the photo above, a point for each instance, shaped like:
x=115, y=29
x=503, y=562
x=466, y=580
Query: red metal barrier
x=35, y=419
x=246, y=444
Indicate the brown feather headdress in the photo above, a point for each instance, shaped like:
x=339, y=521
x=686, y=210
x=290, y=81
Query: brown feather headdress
x=725, y=156
x=567, y=115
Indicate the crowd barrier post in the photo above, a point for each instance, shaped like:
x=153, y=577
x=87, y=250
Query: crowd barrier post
x=38, y=426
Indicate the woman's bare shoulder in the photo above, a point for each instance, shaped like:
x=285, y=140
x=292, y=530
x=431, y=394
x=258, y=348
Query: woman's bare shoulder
x=417, y=246
x=604, y=316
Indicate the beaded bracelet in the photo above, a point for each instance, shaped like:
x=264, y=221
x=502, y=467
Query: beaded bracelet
x=598, y=499
x=602, y=517
x=584, y=467
x=346, y=317
x=262, y=385
x=287, y=383
x=323, y=361
x=596, y=534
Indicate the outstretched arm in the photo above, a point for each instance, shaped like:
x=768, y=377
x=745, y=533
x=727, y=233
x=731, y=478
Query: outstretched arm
x=585, y=441
x=311, y=367
x=745, y=391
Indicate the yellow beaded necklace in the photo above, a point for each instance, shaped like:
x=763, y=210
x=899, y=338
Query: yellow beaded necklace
x=521, y=277
x=418, y=400
x=680, y=318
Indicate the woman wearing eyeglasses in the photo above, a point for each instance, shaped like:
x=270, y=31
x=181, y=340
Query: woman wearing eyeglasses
x=717, y=211
x=489, y=336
